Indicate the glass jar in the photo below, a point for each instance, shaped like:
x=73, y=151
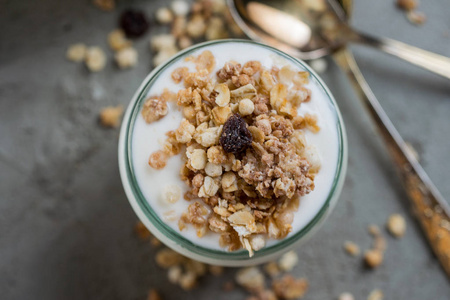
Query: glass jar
x=174, y=238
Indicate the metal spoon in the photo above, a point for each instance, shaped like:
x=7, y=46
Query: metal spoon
x=314, y=28
x=429, y=206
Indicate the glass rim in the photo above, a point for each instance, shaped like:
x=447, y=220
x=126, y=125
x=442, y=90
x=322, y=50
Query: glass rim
x=125, y=145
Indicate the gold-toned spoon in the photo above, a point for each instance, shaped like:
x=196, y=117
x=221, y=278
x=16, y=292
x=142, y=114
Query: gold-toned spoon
x=311, y=29
x=430, y=207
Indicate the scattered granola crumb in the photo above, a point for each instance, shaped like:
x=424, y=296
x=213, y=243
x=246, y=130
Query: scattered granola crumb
x=319, y=65
x=166, y=258
x=216, y=270
x=376, y=295
x=106, y=5
x=153, y=295
x=228, y=286
x=289, y=287
x=188, y=281
x=76, y=52
x=396, y=225
x=351, y=248
x=110, y=116
x=288, y=261
x=184, y=42
x=142, y=232
x=174, y=274
x=250, y=278
x=346, y=296
x=180, y=8
x=126, y=58
x=95, y=59
x=117, y=40
x=407, y=4
x=373, y=258
x=272, y=269
x=164, y=15
x=416, y=17
x=164, y=55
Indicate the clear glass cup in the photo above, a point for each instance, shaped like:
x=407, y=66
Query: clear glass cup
x=174, y=239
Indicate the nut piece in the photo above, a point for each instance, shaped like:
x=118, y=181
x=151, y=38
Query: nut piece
x=373, y=258
x=396, y=225
x=158, y=160
x=164, y=15
x=117, y=40
x=126, y=58
x=198, y=159
x=76, y=52
x=288, y=261
x=351, y=248
x=95, y=59
x=110, y=116
x=246, y=107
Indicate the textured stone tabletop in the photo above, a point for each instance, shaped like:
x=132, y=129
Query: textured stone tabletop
x=66, y=228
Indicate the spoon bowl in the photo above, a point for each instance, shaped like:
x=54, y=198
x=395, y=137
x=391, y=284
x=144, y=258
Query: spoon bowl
x=310, y=29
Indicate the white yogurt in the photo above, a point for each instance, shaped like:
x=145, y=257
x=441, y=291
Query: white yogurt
x=147, y=139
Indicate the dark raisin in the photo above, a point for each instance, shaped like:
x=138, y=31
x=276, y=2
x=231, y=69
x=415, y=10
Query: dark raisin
x=235, y=136
x=134, y=23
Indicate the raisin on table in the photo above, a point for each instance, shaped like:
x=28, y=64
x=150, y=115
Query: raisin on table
x=134, y=23
x=235, y=136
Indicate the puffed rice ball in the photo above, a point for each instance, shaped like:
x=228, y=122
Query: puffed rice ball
x=246, y=107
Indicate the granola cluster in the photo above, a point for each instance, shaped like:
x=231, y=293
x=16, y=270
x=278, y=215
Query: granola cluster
x=246, y=160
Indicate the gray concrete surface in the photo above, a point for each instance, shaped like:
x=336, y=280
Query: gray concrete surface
x=66, y=226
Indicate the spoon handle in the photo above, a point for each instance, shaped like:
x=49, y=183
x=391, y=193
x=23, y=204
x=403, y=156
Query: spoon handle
x=433, y=62
x=429, y=207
